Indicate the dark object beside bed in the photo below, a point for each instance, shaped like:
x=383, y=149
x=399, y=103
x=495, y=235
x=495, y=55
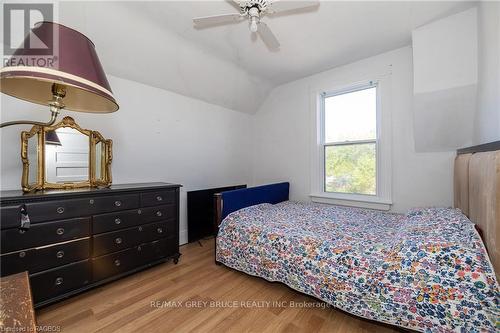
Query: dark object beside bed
x=200, y=211
x=231, y=201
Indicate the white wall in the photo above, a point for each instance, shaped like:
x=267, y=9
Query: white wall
x=282, y=138
x=157, y=136
x=445, y=76
x=487, y=127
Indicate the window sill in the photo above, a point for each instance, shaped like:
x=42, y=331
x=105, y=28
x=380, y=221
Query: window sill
x=352, y=200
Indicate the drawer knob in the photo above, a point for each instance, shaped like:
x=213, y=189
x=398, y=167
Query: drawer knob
x=60, y=231
x=159, y=230
x=91, y=201
x=159, y=213
x=159, y=198
x=60, y=254
x=22, y=254
x=60, y=210
x=139, y=248
x=118, y=240
x=139, y=211
x=117, y=262
x=118, y=221
x=59, y=281
x=140, y=228
x=118, y=203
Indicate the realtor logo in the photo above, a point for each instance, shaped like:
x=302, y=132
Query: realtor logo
x=18, y=19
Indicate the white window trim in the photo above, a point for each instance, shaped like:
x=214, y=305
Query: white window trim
x=383, y=199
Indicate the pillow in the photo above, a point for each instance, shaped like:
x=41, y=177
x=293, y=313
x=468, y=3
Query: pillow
x=431, y=215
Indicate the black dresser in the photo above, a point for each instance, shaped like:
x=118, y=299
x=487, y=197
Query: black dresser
x=79, y=239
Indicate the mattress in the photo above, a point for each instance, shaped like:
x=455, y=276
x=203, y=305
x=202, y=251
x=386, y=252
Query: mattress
x=426, y=270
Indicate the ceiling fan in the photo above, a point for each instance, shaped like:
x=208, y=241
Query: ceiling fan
x=254, y=11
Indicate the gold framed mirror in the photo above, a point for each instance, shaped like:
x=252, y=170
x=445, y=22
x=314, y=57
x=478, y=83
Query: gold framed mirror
x=65, y=156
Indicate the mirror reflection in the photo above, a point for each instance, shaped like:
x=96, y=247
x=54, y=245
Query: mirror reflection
x=99, y=160
x=66, y=156
x=33, y=159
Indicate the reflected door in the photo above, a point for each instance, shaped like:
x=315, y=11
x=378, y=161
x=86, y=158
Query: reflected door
x=69, y=161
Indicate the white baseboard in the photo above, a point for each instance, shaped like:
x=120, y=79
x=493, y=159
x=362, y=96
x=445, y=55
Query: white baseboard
x=183, y=237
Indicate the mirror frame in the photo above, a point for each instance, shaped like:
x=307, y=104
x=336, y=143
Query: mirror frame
x=25, y=136
x=94, y=138
x=106, y=159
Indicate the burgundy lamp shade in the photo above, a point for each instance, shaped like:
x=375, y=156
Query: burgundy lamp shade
x=77, y=68
x=51, y=138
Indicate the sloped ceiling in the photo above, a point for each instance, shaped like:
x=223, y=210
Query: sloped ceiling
x=155, y=43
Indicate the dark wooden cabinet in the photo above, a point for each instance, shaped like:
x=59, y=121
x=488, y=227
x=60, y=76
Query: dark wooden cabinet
x=80, y=239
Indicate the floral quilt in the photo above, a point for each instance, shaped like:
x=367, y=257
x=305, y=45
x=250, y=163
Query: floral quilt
x=427, y=270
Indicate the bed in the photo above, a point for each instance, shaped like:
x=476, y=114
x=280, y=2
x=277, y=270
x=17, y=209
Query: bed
x=426, y=270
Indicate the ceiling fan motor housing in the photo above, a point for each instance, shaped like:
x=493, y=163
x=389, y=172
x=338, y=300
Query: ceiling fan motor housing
x=261, y=5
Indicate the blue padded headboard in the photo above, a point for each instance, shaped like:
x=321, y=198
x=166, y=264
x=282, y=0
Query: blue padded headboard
x=246, y=197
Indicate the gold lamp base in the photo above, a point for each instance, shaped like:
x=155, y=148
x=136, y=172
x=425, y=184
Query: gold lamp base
x=56, y=105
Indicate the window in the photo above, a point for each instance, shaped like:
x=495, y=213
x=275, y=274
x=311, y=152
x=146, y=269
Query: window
x=350, y=141
x=351, y=155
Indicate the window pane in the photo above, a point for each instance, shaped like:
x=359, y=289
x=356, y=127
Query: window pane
x=351, y=116
x=351, y=169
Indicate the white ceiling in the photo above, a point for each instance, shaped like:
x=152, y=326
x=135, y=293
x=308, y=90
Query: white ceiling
x=155, y=43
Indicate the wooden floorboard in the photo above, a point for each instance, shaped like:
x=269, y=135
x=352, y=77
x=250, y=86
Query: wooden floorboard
x=125, y=305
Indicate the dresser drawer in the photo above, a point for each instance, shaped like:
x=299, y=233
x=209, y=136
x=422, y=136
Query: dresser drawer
x=122, y=239
x=158, y=213
x=119, y=220
x=158, y=198
x=58, y=281
x=123, y=261
x=43, y=258
x=52, y=210
x=10, y=216
x=45, y=233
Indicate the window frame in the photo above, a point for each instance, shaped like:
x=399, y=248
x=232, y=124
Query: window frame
x=382, y=199
x=324, y=144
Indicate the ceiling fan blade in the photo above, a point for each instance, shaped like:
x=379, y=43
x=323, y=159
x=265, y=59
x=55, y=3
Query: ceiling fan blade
x=235, y=4
x=283, y=6
x=268, y=37
x=217, y=19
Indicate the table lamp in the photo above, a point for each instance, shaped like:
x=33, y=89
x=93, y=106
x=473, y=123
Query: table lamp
x=75, y=82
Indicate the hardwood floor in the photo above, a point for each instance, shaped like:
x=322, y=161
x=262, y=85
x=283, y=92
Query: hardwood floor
x=170, y=297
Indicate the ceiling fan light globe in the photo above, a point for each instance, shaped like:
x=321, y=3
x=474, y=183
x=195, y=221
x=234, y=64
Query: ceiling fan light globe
x=254, y=27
